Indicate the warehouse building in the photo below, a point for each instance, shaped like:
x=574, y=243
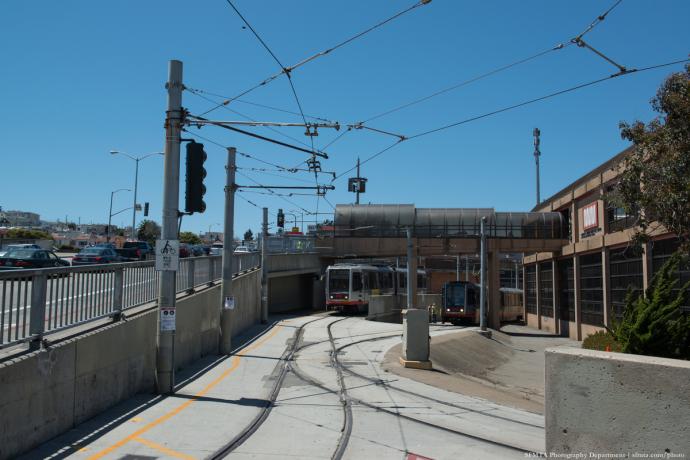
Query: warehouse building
x=582, y=288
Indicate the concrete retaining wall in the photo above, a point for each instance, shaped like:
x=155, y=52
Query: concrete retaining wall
x=388, y=308
x=45, y=393
x=616, y=403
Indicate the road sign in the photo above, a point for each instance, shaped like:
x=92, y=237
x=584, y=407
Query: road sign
x=167, y=255
x=167, y=319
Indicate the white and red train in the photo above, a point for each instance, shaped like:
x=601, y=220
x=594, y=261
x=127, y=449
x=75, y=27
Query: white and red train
x=349, y=286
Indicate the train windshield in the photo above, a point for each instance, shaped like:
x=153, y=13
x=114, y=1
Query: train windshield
x=339, y=280
x=455, y=296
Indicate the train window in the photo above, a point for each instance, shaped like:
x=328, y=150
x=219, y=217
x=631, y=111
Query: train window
x=339, y=280
x=373, y=280
x=356, y=281
x=421, y=281
x=403, y=280
x=471, y=299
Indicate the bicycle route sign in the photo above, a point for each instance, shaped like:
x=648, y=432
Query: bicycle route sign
x=167, y=255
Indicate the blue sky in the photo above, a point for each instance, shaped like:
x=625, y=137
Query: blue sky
x=80, y=78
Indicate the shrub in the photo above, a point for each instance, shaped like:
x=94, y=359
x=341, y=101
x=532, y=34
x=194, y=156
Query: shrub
x=600, y=340
x=655, y=325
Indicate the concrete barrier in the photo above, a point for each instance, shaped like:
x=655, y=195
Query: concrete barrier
x=614, y=403
x=388, y=308
x=384, y=308
x=48, y=392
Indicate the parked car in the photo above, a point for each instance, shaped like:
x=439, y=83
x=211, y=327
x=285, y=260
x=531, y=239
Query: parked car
x=242, y=249
x=216, y=249
x=198, y=250
x=31, y=258
x=105, y=245
x=96, y=256
x=185, y=250
x=135, y=250
x=19, y=246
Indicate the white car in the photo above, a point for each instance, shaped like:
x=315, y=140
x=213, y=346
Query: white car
x=242, y=249
x=216, y=249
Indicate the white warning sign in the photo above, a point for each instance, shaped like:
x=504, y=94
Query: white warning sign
x=167, y=319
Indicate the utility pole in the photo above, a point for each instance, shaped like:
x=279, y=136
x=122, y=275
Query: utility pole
x=537, y=154
x=264, y=269
x=357, y=202
x=457, y=267
x=411, y=272
x=482, y=278
x=165, y=364
x=227, y=298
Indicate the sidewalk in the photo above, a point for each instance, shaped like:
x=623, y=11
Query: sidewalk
x=202, y=415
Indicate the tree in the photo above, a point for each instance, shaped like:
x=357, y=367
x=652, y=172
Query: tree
x=23, y=233
x=189, y=238
x=656, y=178
x=655, y=325
x=148, y=231
x=248, y=235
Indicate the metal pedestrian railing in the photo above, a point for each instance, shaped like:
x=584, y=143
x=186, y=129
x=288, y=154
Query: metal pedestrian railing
x=35, y=302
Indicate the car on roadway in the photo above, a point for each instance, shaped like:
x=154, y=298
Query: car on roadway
x=242, y=250
x=19, y=246
x=31, y=258
x=185, y=250
x=216, y=249
x=96, y=256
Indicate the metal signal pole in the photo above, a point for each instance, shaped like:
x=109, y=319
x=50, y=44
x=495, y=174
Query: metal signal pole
x=482, y=277
x=227, y=298
x=537, y=154
x=264, y=270
x=165, y=363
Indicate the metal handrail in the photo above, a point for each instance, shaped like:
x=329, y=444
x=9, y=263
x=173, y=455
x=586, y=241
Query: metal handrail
x=34, y=302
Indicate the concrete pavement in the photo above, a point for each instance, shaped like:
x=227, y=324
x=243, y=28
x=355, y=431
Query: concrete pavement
x=391, y=416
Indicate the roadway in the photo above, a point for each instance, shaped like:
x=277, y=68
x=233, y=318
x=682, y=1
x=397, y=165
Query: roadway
x=78, y=296
x=311, y=386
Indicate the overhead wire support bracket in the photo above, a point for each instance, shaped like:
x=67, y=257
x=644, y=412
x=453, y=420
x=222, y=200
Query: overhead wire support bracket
x=199, y=122
x=582, y=44
x=257, y=136
x=361, y=125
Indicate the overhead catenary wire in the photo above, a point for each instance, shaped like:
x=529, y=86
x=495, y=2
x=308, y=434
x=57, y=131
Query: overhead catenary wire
x=256, y=104
x=275, y=58
x=287, y=70
x=514, y=106
x=258, y=136
x=274, y=193
x=502, y=68
x=294, y=139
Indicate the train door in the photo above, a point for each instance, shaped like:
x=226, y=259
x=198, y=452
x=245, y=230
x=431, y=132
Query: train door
x=357, y=287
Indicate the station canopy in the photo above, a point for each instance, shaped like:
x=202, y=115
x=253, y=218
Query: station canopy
x=393, y=220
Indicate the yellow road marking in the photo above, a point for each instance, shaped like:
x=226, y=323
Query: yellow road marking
x=164, y=449
x=233, y=365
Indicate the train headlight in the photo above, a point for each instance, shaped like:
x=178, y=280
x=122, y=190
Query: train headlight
x=462, y=310
x=447, y=309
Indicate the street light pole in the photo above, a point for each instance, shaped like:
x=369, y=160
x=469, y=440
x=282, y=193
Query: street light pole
x=136, y=182
x=110, y=213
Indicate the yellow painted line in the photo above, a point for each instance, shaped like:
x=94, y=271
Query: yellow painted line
x=233, y=365
x=164, y=449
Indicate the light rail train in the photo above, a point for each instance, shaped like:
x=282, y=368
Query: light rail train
x=349, y=286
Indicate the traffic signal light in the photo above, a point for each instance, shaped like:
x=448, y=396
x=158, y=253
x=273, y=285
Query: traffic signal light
x=146, y=209
x=281, y=218
x=195, y=188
